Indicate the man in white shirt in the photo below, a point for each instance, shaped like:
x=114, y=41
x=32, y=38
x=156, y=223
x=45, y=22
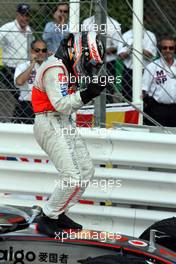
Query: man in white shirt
x=159, y=86
x=125, y=53
x=112, y=30
x=15, y=37
x=24, y=78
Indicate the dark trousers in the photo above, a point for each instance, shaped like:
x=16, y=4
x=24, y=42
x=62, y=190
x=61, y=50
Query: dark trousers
x=23, y=113
x=165, y=114
x=7, y=79
x=127, y=83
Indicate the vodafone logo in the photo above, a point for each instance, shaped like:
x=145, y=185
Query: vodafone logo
x=138, y=243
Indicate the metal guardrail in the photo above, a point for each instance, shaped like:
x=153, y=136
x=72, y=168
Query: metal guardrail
x=142, y=176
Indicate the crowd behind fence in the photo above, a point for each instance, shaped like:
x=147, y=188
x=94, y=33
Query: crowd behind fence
x=159, y=19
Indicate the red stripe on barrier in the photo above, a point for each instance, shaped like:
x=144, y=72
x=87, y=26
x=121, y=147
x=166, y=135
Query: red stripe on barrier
x=38, y=160
x=86, y=202
x=24, y=159
x=39, y=197
x=3, y=158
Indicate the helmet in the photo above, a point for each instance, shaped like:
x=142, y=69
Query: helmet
x=87, y=52
x=83, y=51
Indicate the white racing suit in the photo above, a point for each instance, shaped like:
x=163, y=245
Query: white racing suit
x=57, y=135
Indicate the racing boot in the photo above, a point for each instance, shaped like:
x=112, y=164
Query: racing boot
x=65, y=222
x=55, y=227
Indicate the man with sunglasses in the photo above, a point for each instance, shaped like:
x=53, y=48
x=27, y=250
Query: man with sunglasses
x=159, y=85
x=55, y=31
x=24, y=77
x=15, y=38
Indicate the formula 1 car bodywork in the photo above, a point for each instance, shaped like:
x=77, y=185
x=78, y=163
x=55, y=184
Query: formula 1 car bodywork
x=20, y=243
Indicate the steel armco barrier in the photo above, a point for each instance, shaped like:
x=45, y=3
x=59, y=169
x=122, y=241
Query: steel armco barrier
x=135, y=172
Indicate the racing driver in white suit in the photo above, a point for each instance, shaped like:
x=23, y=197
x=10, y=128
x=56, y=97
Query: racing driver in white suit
x=54, y=130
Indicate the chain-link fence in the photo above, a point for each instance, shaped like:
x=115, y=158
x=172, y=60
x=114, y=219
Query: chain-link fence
x=16, y=34
x=159, y=19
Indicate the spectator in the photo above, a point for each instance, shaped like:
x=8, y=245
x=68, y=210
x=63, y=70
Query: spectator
x=15, y=37
x=125, y=53
x=55, y=30
x=159, y=86
x=24, y=77
x=112, y=30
